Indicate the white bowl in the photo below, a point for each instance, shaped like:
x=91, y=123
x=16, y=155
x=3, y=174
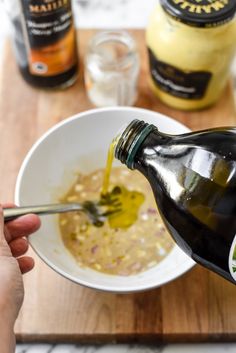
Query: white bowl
x=77, y=144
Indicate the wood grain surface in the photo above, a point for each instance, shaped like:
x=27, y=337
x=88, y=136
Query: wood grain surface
x=199, y=306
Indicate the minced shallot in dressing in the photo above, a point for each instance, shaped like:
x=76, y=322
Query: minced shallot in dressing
x=117, y=250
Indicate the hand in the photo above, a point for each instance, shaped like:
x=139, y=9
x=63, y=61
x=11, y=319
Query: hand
x=13, y=245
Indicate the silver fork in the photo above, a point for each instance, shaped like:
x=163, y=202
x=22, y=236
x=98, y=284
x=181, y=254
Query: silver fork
x=95, y=211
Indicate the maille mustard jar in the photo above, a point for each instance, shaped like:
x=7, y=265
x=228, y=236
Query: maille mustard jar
x=191, y=45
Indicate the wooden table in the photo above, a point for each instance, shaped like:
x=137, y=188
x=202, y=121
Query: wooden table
x=199, y=306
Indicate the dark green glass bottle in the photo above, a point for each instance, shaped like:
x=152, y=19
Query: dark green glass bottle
x=193, y=178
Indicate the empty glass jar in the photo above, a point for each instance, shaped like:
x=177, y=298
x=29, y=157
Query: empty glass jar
x=111, y=69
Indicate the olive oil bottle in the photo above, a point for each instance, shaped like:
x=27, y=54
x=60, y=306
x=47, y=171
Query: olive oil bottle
x=193, y=178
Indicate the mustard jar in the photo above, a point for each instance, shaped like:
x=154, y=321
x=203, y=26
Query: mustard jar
x=191, y=46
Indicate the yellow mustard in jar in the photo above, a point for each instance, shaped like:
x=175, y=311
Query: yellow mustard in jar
x=191, y=46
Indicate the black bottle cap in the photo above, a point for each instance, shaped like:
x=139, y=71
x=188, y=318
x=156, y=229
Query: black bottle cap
x=203, y=13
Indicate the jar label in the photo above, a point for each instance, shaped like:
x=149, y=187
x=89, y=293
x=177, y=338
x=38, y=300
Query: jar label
x=178, y=83
x=232, y=259
x=49, y=35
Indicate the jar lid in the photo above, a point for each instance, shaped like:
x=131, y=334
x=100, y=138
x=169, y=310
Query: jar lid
x=201, y=13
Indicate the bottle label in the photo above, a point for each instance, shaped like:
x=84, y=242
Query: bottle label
x=178, y=83
x=232, y=259
x=49, y=35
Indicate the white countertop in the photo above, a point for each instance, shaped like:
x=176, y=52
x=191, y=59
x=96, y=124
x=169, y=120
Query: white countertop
x=101, y=14
x=112, y=14
x=122, y=348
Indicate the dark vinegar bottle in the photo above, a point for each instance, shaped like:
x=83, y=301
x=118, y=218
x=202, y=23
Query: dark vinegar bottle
x=193, y=178
x=44, y=40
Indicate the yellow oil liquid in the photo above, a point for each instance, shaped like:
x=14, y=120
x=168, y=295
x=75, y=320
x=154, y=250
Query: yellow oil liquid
x=107, y=173
x=126, y=214
x=123, y=204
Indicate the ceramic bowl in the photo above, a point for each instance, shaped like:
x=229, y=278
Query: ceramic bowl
x=80, y=143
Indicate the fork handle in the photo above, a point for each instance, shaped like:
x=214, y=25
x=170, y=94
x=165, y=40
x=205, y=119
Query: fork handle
x=12, y=213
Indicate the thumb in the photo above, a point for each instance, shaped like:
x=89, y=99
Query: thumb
x=4, y=248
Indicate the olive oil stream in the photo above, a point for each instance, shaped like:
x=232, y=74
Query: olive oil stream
x=124, y=212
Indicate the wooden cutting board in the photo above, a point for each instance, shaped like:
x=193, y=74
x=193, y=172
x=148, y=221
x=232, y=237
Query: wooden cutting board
x=199, y=306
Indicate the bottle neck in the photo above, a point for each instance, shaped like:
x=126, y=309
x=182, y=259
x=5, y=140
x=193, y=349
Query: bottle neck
x=130, y=141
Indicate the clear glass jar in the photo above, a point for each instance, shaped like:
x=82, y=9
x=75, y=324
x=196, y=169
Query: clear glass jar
x=111, y=69
x=190, y=51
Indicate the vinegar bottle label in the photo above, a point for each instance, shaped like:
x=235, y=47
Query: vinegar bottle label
x=49, y=36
